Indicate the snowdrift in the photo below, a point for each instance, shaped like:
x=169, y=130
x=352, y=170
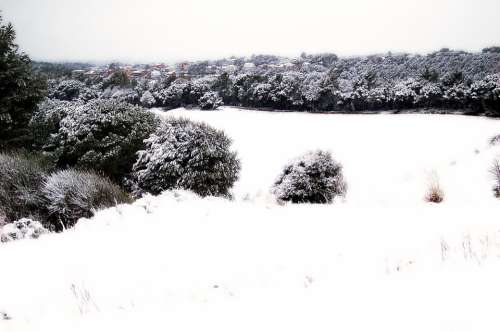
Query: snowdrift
x=382, y=259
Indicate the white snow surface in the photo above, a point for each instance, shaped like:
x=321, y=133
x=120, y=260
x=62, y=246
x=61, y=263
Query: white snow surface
x=381, y=259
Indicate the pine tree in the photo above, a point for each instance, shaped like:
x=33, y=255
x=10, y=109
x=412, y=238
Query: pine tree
x=20, y=91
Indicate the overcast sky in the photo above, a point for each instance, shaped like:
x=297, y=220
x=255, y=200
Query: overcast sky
x=170, y=30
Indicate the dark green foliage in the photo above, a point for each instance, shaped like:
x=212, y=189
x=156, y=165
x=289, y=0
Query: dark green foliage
x=103, y=135
x=68, y=90
x=72, y=194
x=46, y=121
x=183, y=154
x=20, y=90
x=312, y=178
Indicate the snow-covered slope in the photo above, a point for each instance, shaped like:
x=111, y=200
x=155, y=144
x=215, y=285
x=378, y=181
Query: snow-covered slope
x=388, y=159
x=382, y=260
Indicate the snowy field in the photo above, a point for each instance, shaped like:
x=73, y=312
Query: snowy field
x=382, y=259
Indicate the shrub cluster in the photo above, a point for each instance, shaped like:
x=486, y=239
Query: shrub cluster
x=21, y=177
x=28, y=189
x=102, y=135
x=187, y=155
x=210, y=101
x=73, y=194
x=311, y=178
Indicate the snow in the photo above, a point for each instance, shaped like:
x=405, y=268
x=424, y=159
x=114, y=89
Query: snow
x=382, y=260
x=388, y=159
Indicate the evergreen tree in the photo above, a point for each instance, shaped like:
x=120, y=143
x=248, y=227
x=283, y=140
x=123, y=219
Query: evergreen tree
x=20, y=91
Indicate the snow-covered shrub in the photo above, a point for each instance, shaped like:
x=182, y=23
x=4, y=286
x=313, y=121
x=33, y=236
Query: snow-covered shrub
x=405, y=93
x=495, y=140
x=117, y=93
x=486, y=93
x=103, y=135
x=210, y=101
x=72, y=194
x=435, y=193
x=183, y=154
x=46, y=120
x=495, y=172
x=147, y=99
x=67, y=90
x=311, y=178
x=21, y=177
x=174, y=95
x=196, y=89
x=430, y=95
x=456, y=96
x=24, y=228
x=88, y=94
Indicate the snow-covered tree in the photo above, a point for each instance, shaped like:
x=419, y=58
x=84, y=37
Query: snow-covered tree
x=147, y=99
x=20, y=91
x=183, y=154
x=103, y=135
x=430, y=95
x=405, y=93
x=486, y=94
x=67, y=90
x=311, y=178
x=46, y=120
x=210, y=101
x=174, y=95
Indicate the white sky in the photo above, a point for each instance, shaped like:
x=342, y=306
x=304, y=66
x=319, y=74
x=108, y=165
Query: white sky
x=169, y=30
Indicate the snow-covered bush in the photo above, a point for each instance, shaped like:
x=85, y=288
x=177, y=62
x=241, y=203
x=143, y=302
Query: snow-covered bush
x=24, y=228
x=487, y=94
x=183, y=154
x=47, y=118
x=435, y=193
x=117, y=93
x=495, y=172
x=147, y=99
x=405, y=93
x=173, y=95
x=103, y=135
x=430, y=95
x=210, y=101
x=311, y=178
x=495, y=140
x=68, y=90
x=72, y=194
x=88, y=93
x=20, y=180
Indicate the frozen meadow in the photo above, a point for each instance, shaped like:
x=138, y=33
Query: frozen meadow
x=382, y=259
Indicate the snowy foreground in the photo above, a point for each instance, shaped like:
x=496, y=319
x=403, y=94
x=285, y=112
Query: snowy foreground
x=380, y=260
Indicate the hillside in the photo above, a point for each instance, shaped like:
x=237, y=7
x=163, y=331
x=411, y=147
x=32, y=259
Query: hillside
x=382, y=259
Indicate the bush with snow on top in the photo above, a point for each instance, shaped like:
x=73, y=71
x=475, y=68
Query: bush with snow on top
x=311, y=178
x=72, y=194
x=21, y=177
x=210, y=101
x=103, y=135
x=183, y=154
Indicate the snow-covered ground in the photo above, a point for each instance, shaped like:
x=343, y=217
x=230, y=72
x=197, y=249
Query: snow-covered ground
x=381, y=260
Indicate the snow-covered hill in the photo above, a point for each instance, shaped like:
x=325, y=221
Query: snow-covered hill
x=381, y=260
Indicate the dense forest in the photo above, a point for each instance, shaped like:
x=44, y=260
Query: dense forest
x=444, y=80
